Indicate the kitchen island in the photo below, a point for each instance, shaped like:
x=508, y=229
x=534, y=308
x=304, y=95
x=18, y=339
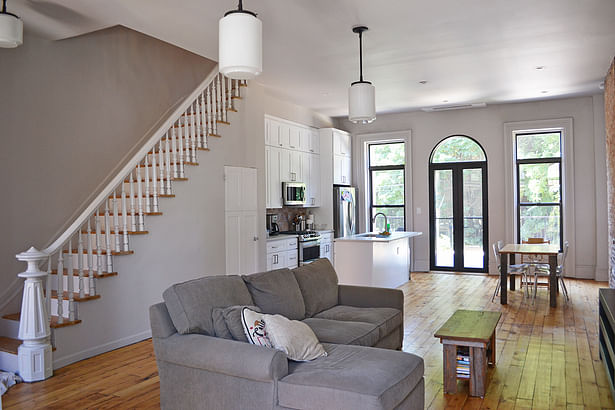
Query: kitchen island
x=372, y=259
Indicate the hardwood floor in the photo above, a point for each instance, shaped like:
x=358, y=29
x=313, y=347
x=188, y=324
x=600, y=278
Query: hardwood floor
x=547, y=358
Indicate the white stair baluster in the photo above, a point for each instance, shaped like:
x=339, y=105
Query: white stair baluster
x=69, y=282
x=197, y=121
x=168, y=165
x=218, y=99
x=193, y=135
x=174, y=150
x=99, y=262
x=60, y=286
x=140, y=199
x=124, y=217
x=180, y=150
x=80, y=263
x=91, y=255
x=209, y=114
x=48, y=287
x=214, y=107
x=108, y=238
x=148, y=207
x=133, y=211
x=224, y=100
x=203, y=120
x=164, y=188
x=116, y=223
x=155, y=181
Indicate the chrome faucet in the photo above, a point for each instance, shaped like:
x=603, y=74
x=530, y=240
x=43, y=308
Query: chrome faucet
x=385, y=221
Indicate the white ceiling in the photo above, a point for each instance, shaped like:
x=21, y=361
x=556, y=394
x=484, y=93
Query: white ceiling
x=467, y=51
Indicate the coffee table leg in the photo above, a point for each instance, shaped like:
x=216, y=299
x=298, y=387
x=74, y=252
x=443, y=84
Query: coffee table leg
x=478, y=371
x=450, y=368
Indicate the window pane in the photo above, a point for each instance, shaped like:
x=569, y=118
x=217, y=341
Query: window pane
x=443, y=193
x=540, y=222
x=458, y=149
x=445, y=253
x=387, y=154
x=473, y=253
x=539, y=146
x=395, y=216
x=473, y=192
x=539, y=182
x=388, y=187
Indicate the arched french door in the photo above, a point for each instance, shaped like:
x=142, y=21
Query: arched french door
x=458, y=206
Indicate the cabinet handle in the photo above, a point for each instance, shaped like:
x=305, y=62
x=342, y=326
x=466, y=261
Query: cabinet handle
x=255, y=238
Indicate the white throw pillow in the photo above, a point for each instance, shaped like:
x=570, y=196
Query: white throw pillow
x=294, y=338
x=254, y=327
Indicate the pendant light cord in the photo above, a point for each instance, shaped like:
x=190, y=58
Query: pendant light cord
x=239, y=6
x=4, y=6
x=360, y=55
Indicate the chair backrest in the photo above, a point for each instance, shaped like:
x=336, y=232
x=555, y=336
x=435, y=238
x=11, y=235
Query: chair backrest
x=562, y=256
x=535, y=258
x=496, y=252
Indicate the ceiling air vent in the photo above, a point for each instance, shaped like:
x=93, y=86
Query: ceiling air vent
x=453, y=107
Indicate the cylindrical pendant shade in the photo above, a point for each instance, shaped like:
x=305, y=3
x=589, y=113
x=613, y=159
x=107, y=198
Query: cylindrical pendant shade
x=240, y=46
x=362, y=102
x=11, y=31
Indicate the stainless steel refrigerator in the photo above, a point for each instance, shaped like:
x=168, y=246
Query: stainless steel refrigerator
x=344, y=211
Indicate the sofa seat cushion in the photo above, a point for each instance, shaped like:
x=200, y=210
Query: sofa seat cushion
x=277, y=292
x=387, y=319
x=351, y=377
x=190, y=304
x=345, y=333
x=318, y=284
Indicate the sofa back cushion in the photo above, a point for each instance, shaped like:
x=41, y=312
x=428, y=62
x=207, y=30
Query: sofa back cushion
x=318, y=284
x=190, y=303
x=277, y=292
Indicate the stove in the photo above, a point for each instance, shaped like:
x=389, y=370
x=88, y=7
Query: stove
x=304, y=236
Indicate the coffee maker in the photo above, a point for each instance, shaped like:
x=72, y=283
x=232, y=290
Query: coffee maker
x=272, y=224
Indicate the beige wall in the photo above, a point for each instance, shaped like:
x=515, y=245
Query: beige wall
x=486, y=126
x=69, y=112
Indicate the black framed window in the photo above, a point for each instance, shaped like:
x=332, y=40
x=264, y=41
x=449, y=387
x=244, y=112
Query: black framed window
x=387, y=185
x=539, y=186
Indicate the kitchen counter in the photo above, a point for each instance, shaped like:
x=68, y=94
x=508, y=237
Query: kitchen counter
x=370, y=259
x=280, y=237
x=367, y=237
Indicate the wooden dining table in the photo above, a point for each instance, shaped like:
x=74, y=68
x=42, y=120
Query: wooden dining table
x=514, y=249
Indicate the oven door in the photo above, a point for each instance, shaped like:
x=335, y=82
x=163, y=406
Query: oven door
x=309, y=251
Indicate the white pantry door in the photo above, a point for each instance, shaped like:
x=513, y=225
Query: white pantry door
x=241, y=220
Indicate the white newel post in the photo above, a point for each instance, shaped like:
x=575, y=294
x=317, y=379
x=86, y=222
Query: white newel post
x=34, y=355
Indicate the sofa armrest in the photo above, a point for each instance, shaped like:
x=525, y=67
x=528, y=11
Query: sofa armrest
x=217, y=355
x=365, y=296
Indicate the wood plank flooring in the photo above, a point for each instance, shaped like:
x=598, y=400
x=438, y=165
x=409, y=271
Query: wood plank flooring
x=547, y=358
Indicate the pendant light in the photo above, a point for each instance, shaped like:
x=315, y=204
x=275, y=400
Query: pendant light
x=240, y=54
x=11, y=29
x=361, y=94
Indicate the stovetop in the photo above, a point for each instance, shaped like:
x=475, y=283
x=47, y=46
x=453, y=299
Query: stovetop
x=304, y=235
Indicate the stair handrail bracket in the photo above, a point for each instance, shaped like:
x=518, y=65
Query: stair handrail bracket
x=34, y=355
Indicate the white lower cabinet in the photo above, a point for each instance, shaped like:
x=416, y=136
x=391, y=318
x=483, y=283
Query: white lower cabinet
x=282, y=253
x=326, y=246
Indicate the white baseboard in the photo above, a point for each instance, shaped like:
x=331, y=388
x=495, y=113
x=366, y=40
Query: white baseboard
x=585, y=272
x=602, y=274
x=59, y=362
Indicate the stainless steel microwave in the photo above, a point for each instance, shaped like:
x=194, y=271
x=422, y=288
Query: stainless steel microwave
x=294, y=193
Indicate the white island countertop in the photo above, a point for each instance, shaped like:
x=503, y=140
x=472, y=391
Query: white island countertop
x=376, y=237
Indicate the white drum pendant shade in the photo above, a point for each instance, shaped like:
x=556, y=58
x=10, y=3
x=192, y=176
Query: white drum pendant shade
x=362, y=102
x=11, y=31
x=240, y=46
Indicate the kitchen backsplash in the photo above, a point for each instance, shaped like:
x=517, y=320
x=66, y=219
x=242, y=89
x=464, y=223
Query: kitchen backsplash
x=286, y=216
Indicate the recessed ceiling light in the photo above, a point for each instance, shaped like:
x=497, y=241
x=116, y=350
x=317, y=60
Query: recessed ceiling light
x=423, y=82
x=544, y=91
x=444, y=101
x=540, y=67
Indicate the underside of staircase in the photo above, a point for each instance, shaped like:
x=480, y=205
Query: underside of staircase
x=85, y=253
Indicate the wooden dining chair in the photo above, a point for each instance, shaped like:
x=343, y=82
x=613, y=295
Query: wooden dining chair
x=520, y=269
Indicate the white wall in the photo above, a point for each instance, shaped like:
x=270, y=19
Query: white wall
x=486, y=126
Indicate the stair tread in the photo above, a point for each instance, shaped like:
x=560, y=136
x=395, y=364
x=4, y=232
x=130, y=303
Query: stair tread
x=9, y=345
x=54, y=320
x=143, y=196
x=102, y=252
x=103, y=232
x=223, y=122
x=172, y=163
x=136, y=213
x=76, y=297
x=86, y=273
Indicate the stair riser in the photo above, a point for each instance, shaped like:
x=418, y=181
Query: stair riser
x=8, y=362
x=9, y=328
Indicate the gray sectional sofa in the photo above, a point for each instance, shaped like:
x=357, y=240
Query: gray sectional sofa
x=361, y=329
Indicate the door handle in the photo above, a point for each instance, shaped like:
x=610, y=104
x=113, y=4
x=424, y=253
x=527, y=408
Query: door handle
x=255, y=238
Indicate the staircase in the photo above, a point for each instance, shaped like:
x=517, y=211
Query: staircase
x=85, y=252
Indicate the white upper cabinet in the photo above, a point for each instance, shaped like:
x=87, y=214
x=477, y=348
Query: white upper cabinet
x=273, y=159
x=314, y=145
x=341, y=143
x=294, y=139
x=284, y=135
